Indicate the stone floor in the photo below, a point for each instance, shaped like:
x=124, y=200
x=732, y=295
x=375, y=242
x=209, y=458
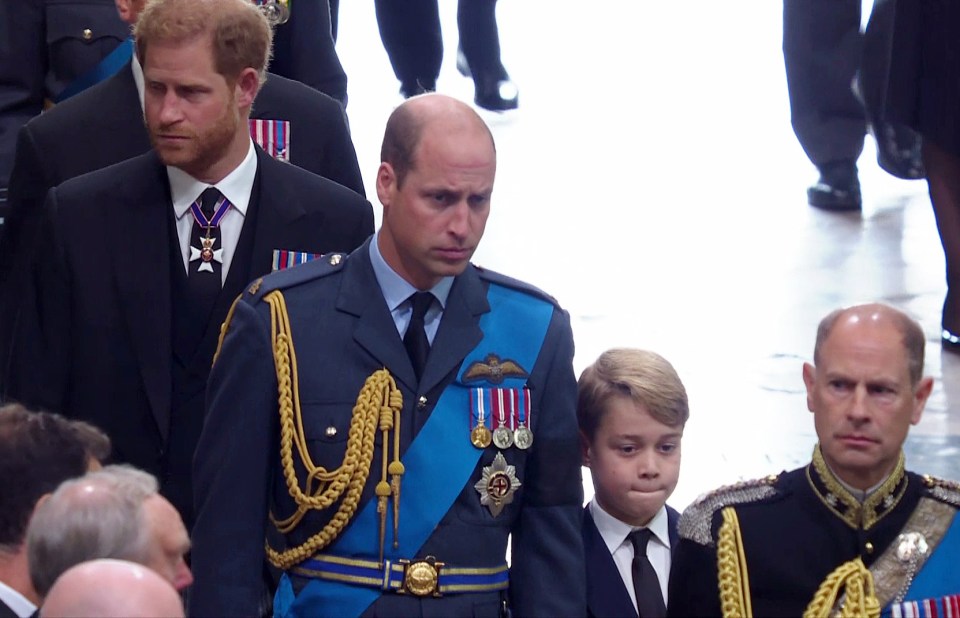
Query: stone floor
x=651, y=182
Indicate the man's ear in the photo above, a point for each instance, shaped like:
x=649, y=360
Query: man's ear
x=247, y=87
x=920, y=396
x=809, y=380
x=386, y=183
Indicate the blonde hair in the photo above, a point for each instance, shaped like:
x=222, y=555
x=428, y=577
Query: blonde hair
x=647, y=378
x=241, y=35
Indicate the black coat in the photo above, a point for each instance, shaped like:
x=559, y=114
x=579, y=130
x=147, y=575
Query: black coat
x=94, y=341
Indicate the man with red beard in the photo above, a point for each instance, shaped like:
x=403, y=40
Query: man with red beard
x=143, y=258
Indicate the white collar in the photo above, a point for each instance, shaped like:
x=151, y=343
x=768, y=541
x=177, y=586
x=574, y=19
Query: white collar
x=615, y=532
x=20, y=604
x=236, y=186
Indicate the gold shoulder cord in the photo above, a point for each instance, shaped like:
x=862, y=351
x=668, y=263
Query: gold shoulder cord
x=732, y=576
x=857, y=583
x=378, y=405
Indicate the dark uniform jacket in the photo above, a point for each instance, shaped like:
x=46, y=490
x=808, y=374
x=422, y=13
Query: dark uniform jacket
x=606, y=594
x=44, y=46
x=343, y=332
x=95, y=339
x=797, y=528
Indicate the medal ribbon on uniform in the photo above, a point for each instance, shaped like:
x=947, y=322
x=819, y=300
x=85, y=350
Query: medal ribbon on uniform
x=522, y=435
x=480, y=435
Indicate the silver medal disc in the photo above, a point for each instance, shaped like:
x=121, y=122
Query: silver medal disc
x=503, y=437
x=523, y=437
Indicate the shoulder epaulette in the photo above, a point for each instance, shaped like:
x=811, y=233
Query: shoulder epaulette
x=942, y=489
x=697, y=519
x=289, y=277
x=516, y=284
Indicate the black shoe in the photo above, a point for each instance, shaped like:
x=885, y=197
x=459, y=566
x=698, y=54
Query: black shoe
x=949, y=338
x=838, y=187
x=950, y=342
x=495, y=92
x=418, y=86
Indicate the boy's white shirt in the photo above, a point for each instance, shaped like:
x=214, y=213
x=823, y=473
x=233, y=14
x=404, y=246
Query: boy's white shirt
x=614, y=533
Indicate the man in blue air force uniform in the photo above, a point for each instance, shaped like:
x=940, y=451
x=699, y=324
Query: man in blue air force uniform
x=431, y=401
x=853, y=529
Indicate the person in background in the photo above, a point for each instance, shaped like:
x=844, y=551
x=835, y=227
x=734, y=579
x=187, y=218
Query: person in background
x=38, y=451
x=925, y=94
x=410, y=32
x=116, y=513
x=111, y=589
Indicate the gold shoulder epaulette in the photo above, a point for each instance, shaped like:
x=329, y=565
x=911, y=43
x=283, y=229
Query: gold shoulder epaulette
x=942, y=489
x=697, y=519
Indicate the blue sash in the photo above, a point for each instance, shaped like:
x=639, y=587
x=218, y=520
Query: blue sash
x=107, y=67
x=940, y=575
x=515, y=328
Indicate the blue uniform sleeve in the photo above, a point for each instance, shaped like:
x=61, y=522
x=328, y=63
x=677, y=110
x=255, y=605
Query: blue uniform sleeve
x=547, y=576
x=233, y=470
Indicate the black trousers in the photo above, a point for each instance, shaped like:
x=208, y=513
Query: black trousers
x=410, y=31
x=823, y=49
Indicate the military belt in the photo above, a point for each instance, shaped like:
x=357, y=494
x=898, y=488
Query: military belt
x=421, y=577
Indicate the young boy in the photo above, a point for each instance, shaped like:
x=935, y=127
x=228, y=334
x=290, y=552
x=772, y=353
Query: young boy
x=632, y=408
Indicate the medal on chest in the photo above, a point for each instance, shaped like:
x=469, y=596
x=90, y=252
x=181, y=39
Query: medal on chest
x=497, y=485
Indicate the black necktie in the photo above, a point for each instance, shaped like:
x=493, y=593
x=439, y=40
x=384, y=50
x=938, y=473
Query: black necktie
x=415, y=339
x=205, y=268
x=645, y=582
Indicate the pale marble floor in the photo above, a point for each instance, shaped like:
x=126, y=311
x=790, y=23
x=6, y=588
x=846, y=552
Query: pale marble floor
x=652, y=183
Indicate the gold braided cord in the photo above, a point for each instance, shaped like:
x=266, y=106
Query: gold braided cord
x=224, y=328
x=322, y=487
x=733, y=579
x=860, y=598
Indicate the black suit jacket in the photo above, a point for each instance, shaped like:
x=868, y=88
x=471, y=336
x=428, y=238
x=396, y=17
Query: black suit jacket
x=94, y=341
x=606, y=594
x=104, y=125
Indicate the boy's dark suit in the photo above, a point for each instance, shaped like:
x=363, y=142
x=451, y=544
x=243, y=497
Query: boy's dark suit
x=99, y=334
x=104, y=125
x=606, y=594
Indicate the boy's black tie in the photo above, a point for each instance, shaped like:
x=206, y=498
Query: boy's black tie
x=645, y=582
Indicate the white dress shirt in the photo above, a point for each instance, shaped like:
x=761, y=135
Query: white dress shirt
x=614, y=533
x=236, y=187
x=20, y=605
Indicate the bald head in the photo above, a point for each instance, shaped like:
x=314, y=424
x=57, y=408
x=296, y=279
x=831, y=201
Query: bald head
x=871, y=318
x=111, y=588
x=408, y=122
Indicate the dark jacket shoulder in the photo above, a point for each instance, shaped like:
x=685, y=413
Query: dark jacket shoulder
x=324, y=266
x=696, y=523
x=516, y=284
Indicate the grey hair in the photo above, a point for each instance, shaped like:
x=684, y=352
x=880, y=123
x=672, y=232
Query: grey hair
x=99, y=515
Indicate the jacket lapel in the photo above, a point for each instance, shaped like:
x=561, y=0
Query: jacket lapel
x=606, y=593
x=459, y=330
x=375, y=331
x=142, y=266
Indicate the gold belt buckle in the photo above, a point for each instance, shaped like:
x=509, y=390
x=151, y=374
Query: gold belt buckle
x=421, y=577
